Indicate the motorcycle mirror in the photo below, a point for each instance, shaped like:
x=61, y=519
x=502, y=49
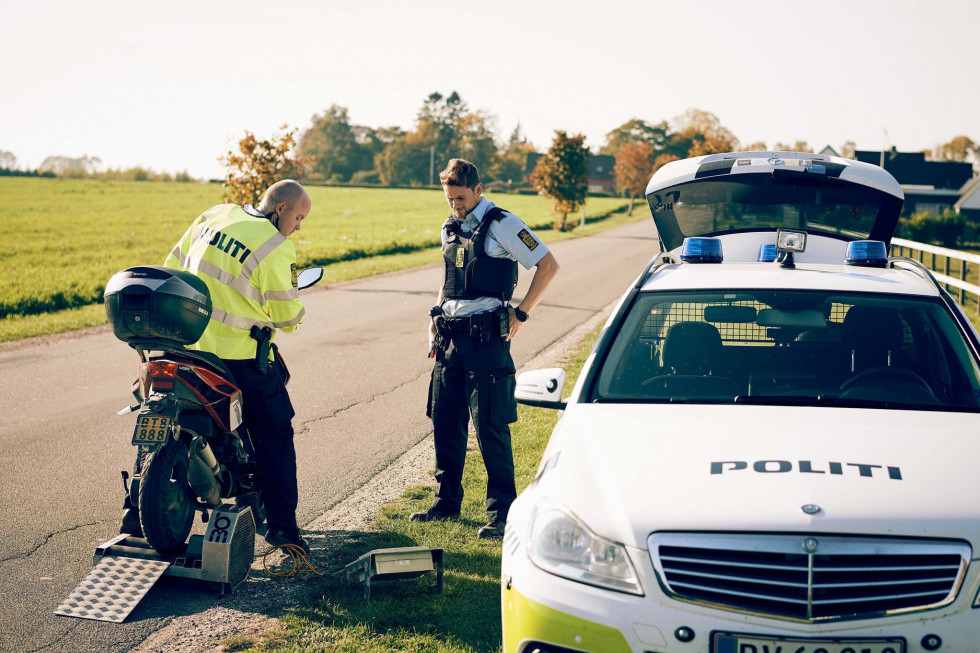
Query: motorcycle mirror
x=309, y=277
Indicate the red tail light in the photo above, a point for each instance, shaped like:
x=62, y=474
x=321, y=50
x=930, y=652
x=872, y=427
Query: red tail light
x=160, y=374
x=162, y=370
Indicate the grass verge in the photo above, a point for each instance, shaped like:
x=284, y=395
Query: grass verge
x=401, y=616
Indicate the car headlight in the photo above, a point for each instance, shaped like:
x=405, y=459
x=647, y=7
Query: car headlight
x=561, y=544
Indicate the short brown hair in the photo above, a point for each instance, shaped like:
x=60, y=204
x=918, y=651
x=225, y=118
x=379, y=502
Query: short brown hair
x=460, y=172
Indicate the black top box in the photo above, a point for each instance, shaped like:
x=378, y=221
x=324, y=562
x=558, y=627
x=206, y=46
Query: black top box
x=154, y=302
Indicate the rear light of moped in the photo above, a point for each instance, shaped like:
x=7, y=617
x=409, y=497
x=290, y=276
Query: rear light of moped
x=158, y=374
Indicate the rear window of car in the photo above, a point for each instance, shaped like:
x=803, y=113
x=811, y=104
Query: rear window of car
x=787, y=347
x=765, y=202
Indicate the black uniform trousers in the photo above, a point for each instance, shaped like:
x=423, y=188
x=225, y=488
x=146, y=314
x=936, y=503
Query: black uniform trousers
x=268, y=415
x=473, y=376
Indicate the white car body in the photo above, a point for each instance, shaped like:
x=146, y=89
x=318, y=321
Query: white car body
x=641, y=486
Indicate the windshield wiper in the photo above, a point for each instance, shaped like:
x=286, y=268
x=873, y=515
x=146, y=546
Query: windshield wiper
x=787, y=400
x=662, y=400
x=828, y=400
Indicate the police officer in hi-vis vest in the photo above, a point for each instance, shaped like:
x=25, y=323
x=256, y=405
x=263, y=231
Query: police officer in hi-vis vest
x=469, y=336
x=244, y=256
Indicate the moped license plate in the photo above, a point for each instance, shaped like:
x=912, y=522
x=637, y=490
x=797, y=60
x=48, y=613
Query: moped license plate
x=151, y=429
x=735, y=643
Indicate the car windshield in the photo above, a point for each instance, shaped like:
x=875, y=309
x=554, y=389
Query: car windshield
x=787, y=347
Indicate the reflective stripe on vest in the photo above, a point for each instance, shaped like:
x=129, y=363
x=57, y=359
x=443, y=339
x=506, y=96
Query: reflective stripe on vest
x=226, y=248
x=247, y=323
x=241, y=282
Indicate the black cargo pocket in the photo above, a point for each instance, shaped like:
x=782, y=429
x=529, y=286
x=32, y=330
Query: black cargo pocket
x=503, y=406
x=429, y=400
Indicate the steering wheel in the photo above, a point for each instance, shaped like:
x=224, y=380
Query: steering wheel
x=882, y=375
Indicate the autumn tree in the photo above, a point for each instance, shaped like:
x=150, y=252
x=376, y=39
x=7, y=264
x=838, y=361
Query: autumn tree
x=563, y=175
x=334, y=142
x=475, y=134
x=960, y=149
x=637, y=131
x=512, y=159
x=260, y=163
x=848, y=149
x=408, y=160
x=445, y=128
x=632, y=171
x=438, y=123
x=700, y=132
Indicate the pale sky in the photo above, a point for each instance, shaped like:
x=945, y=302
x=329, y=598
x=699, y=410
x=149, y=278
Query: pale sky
x=173, y=85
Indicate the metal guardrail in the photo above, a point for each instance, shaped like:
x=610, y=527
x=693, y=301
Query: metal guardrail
x=968, y=292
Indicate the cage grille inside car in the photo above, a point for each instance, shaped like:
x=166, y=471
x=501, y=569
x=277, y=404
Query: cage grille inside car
x=662, y=318
x=809, y=577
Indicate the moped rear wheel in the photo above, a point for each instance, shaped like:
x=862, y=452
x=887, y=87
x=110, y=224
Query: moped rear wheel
x=166, y=502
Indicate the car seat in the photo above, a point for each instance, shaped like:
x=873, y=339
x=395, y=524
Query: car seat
x=692, y=351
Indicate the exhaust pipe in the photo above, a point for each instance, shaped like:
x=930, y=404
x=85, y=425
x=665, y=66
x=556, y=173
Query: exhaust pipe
x=202, y=472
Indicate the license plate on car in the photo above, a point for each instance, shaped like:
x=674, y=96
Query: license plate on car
x=151, y=429
x=735, y=643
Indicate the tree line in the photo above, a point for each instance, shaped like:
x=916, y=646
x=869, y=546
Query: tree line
x=334, y=150
x=84, y=167
x=445, y=128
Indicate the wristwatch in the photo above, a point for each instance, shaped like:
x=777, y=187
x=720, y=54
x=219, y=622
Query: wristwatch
x=520, y=315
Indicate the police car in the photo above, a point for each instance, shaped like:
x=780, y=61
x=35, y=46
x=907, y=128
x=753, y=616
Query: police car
x=773, y=445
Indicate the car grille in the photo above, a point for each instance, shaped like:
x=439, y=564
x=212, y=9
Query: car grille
x=809, y=577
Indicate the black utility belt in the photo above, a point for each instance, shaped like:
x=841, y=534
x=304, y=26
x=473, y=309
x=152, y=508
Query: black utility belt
x=484, y=326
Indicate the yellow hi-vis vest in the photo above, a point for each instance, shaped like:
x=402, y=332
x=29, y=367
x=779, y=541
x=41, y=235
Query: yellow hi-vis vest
x=250, y=269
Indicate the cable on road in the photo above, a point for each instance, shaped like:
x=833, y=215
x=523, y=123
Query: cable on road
x=301, y=563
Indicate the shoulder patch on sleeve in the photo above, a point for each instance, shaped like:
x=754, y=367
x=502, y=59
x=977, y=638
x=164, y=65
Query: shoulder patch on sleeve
x=294, y=275
x=527, y=239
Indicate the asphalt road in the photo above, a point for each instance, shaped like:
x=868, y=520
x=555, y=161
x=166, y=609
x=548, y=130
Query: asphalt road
x=360, y=376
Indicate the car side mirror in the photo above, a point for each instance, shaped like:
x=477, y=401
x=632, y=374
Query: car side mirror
x=541, y=388
x=309, y=277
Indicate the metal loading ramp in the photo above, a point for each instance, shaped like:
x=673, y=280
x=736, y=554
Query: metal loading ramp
x=112, y=589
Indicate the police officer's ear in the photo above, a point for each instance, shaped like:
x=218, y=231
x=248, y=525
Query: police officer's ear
x=478, y=189
x=276, y=214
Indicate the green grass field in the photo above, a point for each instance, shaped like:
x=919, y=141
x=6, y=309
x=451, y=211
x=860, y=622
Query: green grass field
x=64, y=238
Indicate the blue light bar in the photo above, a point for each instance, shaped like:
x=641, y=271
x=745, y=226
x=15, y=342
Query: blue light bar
x=866, y=253
x=767, y=253
x=701, y=250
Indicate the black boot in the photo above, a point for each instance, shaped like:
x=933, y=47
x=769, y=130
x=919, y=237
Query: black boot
x=131, y=523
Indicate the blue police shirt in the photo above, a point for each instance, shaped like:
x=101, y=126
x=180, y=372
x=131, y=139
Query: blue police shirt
x=507, y=237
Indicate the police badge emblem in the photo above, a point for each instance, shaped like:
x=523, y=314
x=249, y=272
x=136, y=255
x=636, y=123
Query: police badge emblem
x=527, y=239
x=295, y=275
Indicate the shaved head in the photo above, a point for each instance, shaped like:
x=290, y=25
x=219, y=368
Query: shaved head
x=286, y=192
x=286, y=203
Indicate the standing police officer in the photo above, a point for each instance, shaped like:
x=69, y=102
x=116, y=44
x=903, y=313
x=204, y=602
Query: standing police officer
x=244, y=256
x=472, y=325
